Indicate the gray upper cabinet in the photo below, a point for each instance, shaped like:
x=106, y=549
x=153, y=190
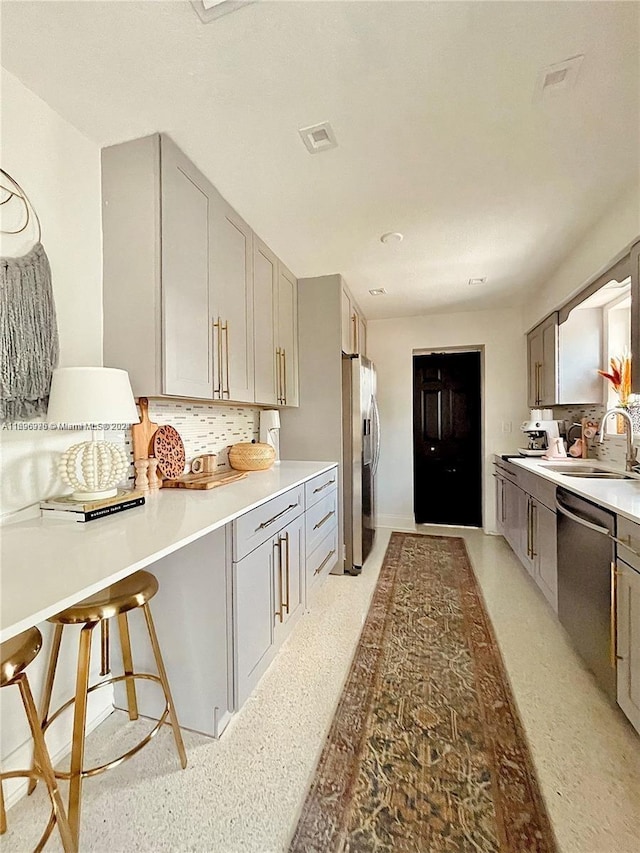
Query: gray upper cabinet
x=232, y=303
x=354, y=326
x=180, y=269
x=265, y=298
x=542, y=355
x=287, y=337
x=186, y=204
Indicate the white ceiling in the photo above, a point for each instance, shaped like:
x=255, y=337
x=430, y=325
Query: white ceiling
x=432, y=103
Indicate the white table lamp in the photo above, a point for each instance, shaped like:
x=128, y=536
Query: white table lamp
x=94, y=398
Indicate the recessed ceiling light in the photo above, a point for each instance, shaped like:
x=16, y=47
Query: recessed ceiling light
x=318, y=137
x=475, y=281
x=377, y=291
x=558, y=77
x=392, y=237
x=209, y=10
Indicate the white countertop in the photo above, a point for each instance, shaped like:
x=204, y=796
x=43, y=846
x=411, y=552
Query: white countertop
x=47, y=565
x=620, y=496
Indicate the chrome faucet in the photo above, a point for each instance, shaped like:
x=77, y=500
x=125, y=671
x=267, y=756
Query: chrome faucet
x=632, y=459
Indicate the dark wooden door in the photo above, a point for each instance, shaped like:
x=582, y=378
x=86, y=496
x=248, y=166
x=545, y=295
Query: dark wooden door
x=447, y=439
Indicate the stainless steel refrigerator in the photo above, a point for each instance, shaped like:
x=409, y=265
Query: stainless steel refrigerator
x=361, y=450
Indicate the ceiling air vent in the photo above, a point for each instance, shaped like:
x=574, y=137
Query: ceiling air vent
x=318, y=137
x=210, y=10
x=558, y=78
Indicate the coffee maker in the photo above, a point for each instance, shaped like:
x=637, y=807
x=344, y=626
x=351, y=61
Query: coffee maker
x=539, y=435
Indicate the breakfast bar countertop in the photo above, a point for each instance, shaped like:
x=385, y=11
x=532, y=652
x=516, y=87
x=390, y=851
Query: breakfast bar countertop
x=48, y=565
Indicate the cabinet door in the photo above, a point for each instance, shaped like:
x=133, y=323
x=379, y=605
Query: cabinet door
x=347, y=324
x=545, y=551
x=542, y=356
x=288, y=334
x=232, y=302
x=549, y=372
x=186, y=318
x=362, y=336
x=628, y=641
x=288, y=577
x=253, y=609
x=265, y=285
x=534, y=362
x=500, y=504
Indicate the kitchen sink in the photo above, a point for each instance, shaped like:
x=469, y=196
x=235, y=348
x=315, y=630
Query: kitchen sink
x=588, y=472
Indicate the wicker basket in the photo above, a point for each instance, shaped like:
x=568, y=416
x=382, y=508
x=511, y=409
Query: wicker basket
x=251, y=457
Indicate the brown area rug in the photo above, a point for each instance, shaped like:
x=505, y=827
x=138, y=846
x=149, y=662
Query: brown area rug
x=426, y=750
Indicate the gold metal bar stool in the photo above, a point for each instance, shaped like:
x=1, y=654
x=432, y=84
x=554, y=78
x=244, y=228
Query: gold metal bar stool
x=116, y=600
x=16, y=655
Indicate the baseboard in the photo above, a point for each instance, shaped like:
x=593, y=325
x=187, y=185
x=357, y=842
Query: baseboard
x=396, y=522
x=20, y=758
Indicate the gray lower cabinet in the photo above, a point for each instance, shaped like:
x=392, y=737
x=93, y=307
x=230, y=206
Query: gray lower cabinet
x=268, y=596
x=191, y=611
x=528, y=523
x=628, y=641
x=544, y=547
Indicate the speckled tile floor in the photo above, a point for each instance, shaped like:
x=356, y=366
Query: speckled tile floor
x=242, y=794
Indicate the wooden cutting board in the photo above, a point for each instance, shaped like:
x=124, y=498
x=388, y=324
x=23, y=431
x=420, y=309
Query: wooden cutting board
x=205, y=481
x=142, y=433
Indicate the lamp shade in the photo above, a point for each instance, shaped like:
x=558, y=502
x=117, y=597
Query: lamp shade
x=91, y=395
x=270, y=419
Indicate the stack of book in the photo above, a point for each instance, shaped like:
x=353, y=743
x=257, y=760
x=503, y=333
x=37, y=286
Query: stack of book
x=67, y=509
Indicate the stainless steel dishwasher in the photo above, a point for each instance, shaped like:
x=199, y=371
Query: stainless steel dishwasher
x=586, y=560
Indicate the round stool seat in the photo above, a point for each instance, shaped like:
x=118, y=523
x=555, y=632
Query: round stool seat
x=17, y=653
x=120, y=597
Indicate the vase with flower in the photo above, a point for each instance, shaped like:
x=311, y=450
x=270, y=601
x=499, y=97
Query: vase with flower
x=620, y=379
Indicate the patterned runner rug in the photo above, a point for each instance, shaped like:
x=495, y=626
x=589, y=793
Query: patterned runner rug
x=426, y=752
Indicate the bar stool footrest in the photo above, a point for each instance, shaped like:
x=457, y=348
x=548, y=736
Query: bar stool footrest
x=94, y=771
x=34, y=774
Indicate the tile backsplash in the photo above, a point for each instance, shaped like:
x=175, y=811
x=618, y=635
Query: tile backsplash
x=203, y=427
x=614, y=448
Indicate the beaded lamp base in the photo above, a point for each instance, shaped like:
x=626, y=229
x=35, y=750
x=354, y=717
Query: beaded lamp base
x=93, y=469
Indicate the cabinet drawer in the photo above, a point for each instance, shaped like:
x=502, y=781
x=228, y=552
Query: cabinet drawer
x=256, y=526
x=318, y=488
x=323, y=559
x=320, y=518
x=629, y=534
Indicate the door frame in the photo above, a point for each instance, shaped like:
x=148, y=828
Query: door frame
x=450, y=351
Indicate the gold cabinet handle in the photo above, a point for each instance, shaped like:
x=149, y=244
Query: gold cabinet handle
x=275, y=517
x=529, y=528
x=277, y=545
x=614, y=657
x=534, y=522
x=324, y=520
x=279, y=374
x=218, y=357
x=325, y=561
x=284, y=376
x=324, y=486
x=287, y=570
x=225, y=329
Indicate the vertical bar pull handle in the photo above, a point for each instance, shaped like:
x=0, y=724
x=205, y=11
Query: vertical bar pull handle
x=284, y=376
x=217, y=372
x=277, y=545
x=227, y=390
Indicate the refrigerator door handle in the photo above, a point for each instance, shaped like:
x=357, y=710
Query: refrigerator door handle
x=376, y=429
